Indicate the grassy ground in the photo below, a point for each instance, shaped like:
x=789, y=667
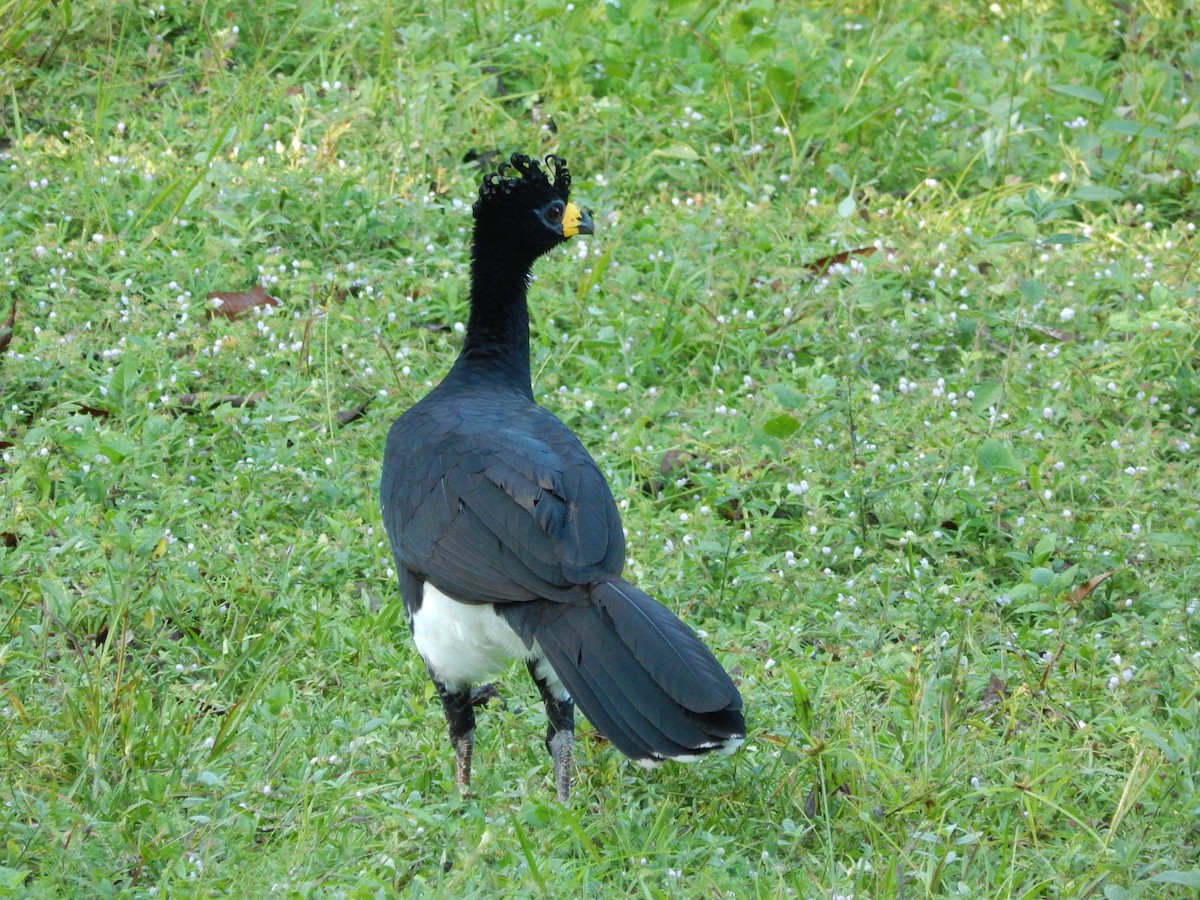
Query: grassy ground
x=935, y=503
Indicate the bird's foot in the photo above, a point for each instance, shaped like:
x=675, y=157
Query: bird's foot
x=464, y=749
x=562, y=751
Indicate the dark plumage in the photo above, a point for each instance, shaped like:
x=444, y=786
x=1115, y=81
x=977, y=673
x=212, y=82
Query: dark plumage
x=507, y=540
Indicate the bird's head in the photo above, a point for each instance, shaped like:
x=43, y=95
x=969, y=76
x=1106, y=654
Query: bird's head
x=519, y=205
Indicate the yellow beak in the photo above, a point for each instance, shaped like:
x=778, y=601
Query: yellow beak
x=576, y=221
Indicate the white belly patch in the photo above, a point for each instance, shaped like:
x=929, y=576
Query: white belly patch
x=467, y=643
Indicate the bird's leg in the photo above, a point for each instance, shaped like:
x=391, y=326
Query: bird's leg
x=560, y=733
x=460, y=720
x=561, y=744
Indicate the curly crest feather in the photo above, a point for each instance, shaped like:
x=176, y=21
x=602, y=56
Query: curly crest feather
x=529, y=178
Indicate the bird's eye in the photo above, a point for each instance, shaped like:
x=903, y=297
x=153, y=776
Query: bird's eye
x=555, y=212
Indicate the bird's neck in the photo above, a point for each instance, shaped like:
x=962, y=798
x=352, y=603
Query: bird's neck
x=497, y=344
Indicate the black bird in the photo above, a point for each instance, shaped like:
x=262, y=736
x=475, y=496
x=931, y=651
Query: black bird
x=507, y=541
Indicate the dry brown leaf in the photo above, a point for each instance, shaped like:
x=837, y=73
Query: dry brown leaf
x=986, y=334
x=207, y=709
x=440, y=184
x=194, y=402
x=346, y=416
x=1057, y=334
x=674, y=461
x=775, y=285
x=995, y=691
x=232, y=305
x=840, y=259
x=1050, y=667
x=1079, y=593
x=810, y=802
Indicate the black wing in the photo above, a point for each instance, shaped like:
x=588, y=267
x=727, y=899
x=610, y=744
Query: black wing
x=498, y=502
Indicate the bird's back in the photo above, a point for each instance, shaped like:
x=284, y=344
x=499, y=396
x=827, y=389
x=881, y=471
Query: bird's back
x=491, y=496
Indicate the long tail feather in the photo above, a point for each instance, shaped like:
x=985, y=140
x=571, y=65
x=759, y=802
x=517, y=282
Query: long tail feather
x=642, y=677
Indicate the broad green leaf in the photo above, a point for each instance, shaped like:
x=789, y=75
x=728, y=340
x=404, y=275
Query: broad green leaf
x=1044, y=548
x=1005, y=237
x=801, y=698
x=117, y=447
x=780, y=426
x=1122, y=126
x=997, y=458
x=1186, y=879
x=677, y=150
x=124, y=380
x=1080, y=92
x=760, y=440
x=13, y=880
x=986, y=396
x=1041, y=576
x=1134, y=129
x=787, y=397
x=781, y=81
x=1171, y=753
x=838, y=174
x=1171, y=539
x=743, y=23
x=1096, y=193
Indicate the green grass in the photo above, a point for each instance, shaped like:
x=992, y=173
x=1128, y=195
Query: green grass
x=885, y=489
